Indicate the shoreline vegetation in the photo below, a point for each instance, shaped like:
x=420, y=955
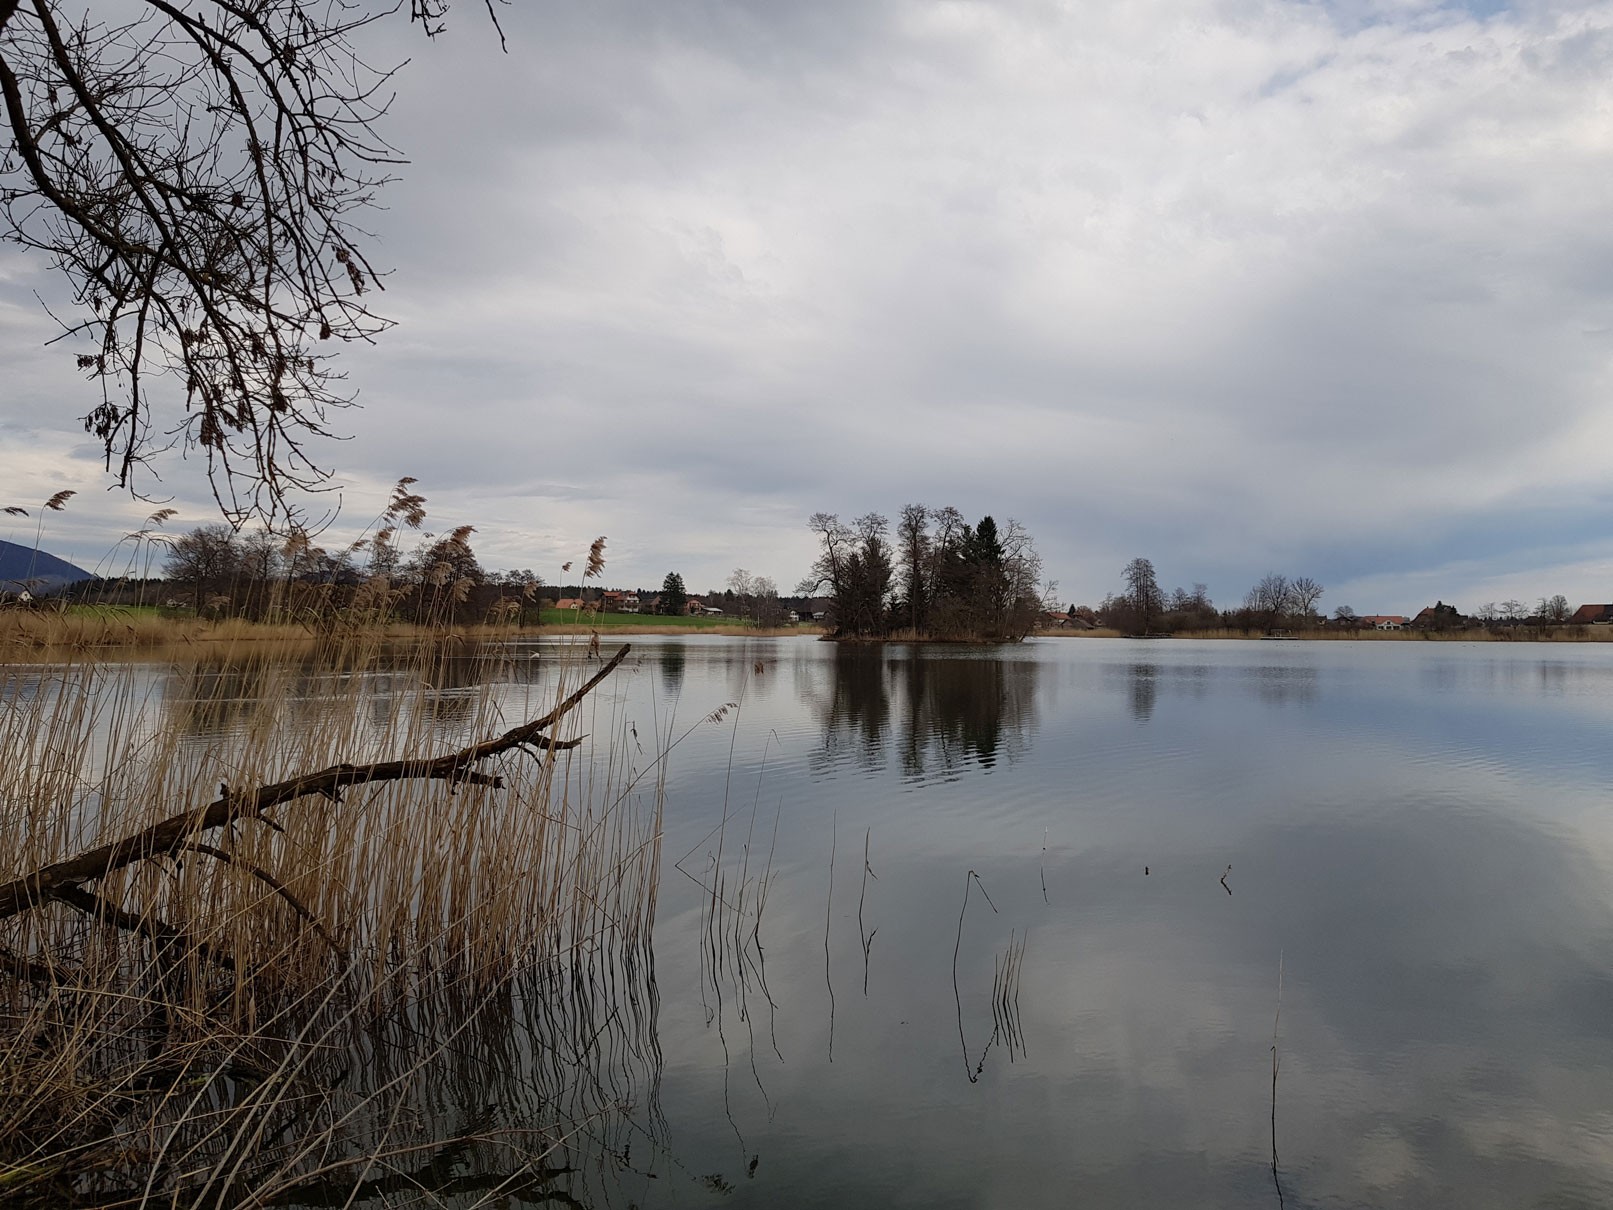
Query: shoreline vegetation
x=27, y=634
x=1550, y=634
x=253, y=924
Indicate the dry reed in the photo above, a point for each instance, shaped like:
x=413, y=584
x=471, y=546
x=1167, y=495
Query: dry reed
x=402, y=988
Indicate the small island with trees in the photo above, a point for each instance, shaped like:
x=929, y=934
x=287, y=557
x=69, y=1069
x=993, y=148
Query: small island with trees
x=935, y=578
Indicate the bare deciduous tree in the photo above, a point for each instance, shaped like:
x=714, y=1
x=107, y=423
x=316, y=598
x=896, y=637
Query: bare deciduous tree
x=1304, y=592
x=743, y=585
x=195, y=171
x=205, y=561
x=1272, y=596
x=913, y=555
x=1143, y=594
x=828, y=570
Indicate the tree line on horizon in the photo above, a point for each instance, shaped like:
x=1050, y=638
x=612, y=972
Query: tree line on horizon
x=1278, y=602
x=932, y=575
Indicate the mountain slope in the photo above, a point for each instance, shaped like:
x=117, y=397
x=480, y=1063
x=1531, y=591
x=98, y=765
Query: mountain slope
x=21, y=564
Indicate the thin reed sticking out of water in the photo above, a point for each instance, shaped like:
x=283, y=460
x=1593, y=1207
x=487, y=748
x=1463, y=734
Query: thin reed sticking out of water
x=828, y=917
x=731, y=909
x=973, y=1071
x=867, y=937
x=1006, y=1026
x=1276, y=1020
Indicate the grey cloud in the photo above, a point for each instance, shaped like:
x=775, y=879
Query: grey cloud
x=1228, y=286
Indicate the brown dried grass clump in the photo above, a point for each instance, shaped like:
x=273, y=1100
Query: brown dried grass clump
x=58, y=634
x=324, y=997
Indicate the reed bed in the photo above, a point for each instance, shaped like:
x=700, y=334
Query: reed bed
x=50, y=634
x=400, y=991
x=54, y=633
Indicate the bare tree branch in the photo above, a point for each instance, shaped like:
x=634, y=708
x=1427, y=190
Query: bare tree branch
x=177, y=831
x=195, y=173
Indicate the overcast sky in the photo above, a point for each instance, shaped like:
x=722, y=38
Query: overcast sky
x=1239, y=286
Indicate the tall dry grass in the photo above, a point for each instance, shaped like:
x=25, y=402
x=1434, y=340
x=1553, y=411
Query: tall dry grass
x=411, y=990
x=49, y=634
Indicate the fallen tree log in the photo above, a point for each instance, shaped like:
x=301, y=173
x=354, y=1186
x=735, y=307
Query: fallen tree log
x=173, y=834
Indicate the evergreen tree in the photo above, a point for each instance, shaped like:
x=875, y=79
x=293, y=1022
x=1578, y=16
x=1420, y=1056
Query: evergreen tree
x=674, y=597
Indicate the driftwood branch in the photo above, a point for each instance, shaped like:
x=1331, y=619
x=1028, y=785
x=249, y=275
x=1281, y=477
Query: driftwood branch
x=164, y=935
x=175, y=832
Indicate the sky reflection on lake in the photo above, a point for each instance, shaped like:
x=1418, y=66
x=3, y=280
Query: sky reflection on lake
x=1417, y=836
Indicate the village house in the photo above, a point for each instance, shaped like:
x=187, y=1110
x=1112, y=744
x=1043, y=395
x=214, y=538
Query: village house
x=1593, y=615
x=1382, y=621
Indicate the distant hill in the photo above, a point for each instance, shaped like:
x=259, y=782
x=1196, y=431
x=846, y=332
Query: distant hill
x=20, y=564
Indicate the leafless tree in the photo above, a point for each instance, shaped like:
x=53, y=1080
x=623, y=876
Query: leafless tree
x=1022, y=565
x=949, y=529
x=766, y=608
x=913, y=546
x=1555, y=609
x=196, y=171
x=1272, y=596
x=743, y=585
x=206, y=561
x=1143, y=594
x=1304, y=592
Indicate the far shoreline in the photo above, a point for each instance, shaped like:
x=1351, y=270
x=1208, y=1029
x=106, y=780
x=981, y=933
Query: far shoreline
x=1559, y=634
x=33, y=636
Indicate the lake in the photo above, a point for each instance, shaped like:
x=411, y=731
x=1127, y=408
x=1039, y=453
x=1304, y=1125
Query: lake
x=1022, y=926
x=1420, y=843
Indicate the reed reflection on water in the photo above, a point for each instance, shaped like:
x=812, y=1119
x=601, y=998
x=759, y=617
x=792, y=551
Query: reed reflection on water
x=1409, y=829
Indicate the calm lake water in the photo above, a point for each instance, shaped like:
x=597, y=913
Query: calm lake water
x=1420, y=839
x=1034, y=917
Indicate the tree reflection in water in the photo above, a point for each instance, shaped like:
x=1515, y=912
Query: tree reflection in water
x=672, y=658
x=1143, y=681
x=952, y=709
